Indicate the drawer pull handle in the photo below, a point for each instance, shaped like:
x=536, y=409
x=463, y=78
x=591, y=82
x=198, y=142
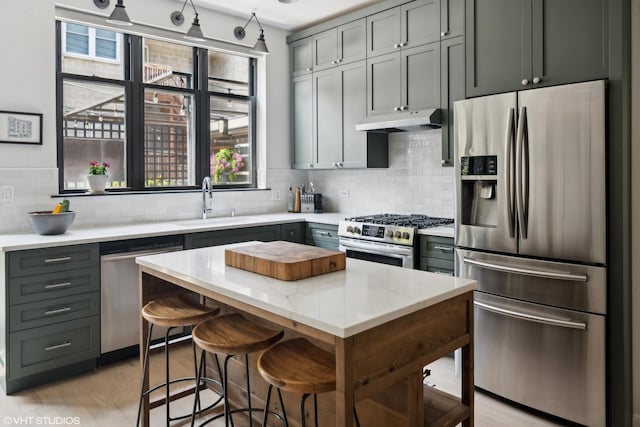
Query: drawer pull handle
x=55, y=347
x=444, y=248
x=324, y=233
x=58, y=311
x=61, y=259
x=57, y=285
x=443, y=273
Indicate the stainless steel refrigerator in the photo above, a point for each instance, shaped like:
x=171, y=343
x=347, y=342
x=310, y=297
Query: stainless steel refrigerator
x=530, y=228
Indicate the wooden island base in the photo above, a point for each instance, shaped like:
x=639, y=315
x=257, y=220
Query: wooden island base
x=379, y=369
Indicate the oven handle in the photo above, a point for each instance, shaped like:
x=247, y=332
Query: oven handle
x=376, y=249
x=531, y=317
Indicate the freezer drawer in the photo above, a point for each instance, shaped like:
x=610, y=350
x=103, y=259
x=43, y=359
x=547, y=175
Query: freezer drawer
x=572, y=286
x=546, y=358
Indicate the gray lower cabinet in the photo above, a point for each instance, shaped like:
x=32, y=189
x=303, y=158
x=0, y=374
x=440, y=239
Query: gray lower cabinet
x=265, y=233
x=452, y=85
x=322, y=235
x=408, y=25
x=293, y=232
x=302, y=123
x=408, y=79
x=436, y=254
x=522, y=44
x=52, y=327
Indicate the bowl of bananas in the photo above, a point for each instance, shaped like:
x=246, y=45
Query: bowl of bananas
x=56, y=221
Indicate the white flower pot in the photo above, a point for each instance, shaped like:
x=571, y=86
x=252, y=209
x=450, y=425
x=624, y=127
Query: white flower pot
x=97, y=183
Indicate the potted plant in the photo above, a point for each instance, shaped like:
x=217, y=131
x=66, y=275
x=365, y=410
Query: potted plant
x=98, y=175
x=226, y=163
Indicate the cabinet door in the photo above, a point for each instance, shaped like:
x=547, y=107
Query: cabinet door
x=293, y=232
x=265, y=233
x=302, y=126
x=354, y=109
x=327, y=128
x=383, y=84
x=383, y=32
x=451, y=18
x=301, y=53
x=498, y=48
x=569, y=41
x=352, y=41
x=420, y=22
x=325, y=50
x=452, y=89
x=421, y=77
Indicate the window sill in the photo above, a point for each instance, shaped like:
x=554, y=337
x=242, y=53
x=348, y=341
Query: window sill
x=149, y=192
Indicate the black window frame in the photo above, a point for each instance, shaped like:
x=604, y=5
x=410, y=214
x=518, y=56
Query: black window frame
x=134, y=89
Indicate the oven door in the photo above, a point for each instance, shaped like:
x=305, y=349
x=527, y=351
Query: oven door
x=384, y=253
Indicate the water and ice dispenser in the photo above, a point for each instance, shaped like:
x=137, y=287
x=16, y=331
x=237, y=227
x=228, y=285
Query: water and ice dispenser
x=479, y=205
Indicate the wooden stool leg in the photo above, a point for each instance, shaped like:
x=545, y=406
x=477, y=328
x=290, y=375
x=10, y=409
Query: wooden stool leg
x=144, y=372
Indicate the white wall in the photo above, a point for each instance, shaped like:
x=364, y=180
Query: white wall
x=635, y=206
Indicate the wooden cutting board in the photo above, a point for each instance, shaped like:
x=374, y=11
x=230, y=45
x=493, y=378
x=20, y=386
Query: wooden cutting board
x=285, y=260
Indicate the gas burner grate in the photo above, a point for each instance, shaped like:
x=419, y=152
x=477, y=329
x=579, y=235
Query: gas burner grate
x=411, y=220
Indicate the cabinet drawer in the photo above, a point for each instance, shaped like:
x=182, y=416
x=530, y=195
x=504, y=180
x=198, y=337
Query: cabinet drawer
x=54, y=285
x=39, y=261
x=323, y=235
x=56, y=310
x=436, y=247
x=429, y=264
x=41, y=349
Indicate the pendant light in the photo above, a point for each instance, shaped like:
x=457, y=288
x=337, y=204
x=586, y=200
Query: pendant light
x=195, y=32
x=119, y=15
x=240, y=33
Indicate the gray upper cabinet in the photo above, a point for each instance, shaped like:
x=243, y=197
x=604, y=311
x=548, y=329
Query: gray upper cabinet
x=340, y=45
x=421, y=77
x=301, y=57
x=451, y=18
x=302, y=124
x=409, y=25
x=327, y=128
x=409, y=79
x=523, y=44
x=452, y=87
x=354, y=109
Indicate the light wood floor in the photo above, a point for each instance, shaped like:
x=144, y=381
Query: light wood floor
x=109, y=397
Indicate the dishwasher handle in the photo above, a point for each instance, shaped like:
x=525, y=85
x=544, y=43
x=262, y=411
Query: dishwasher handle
x=131, y=255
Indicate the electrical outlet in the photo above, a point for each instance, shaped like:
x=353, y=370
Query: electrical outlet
x=344, y=194
x=275, y=195
x=6, y=193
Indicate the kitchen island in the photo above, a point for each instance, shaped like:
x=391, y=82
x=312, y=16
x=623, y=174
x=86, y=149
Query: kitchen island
x=383, y=323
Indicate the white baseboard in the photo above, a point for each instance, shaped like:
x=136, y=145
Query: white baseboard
x=636, y=420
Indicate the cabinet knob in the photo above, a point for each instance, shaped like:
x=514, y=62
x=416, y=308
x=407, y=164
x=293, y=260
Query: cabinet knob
x=396, y=108
x=397, y=45
x=536, y=80
x=310, y=165
x=403, y=107
x=444, y=33
x=403, y=44
x=309, y=69
x=443, y=162
x=524, y=82
x=340, y=164
x=339, y=60
x=334, y=62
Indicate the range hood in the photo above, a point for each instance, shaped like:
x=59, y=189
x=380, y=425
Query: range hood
x=402, y=121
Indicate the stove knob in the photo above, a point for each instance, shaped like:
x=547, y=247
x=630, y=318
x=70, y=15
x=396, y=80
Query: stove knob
x=390, y=234
x=405, y=235
x=398, y=235
x=349, y=229
x=357, y=230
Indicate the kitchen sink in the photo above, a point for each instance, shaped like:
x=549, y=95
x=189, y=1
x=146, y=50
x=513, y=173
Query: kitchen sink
x=225, y=220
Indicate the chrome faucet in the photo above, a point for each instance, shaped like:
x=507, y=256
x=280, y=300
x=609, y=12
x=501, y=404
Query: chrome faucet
x=206, y=204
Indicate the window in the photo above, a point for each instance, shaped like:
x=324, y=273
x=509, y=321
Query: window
x=159, y=125
x=91, y=42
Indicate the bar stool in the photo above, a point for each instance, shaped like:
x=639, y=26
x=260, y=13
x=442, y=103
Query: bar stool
x=173, y=312
x=232, y=335
x=299, y=366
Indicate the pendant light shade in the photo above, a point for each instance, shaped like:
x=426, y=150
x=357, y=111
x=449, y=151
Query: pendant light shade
x=261, y=45
x=119, y=15
x=195, y=32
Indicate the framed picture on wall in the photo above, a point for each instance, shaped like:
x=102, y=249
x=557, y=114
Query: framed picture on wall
x=20, y=128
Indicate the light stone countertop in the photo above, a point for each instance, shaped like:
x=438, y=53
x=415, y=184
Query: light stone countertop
x=80, y=235
x=443, y=231
x=343, y=303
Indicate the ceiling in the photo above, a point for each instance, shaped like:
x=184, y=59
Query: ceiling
x=293, y=16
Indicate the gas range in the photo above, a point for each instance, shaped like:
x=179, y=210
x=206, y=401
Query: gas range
x=388, y=228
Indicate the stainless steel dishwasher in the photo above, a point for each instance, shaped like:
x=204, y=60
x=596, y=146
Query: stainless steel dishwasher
x=120, y=295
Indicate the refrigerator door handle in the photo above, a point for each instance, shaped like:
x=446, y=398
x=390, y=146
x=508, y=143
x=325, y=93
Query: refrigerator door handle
x=573, y=277
x=531, y=317
x=522, y=124
x=509, y=165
